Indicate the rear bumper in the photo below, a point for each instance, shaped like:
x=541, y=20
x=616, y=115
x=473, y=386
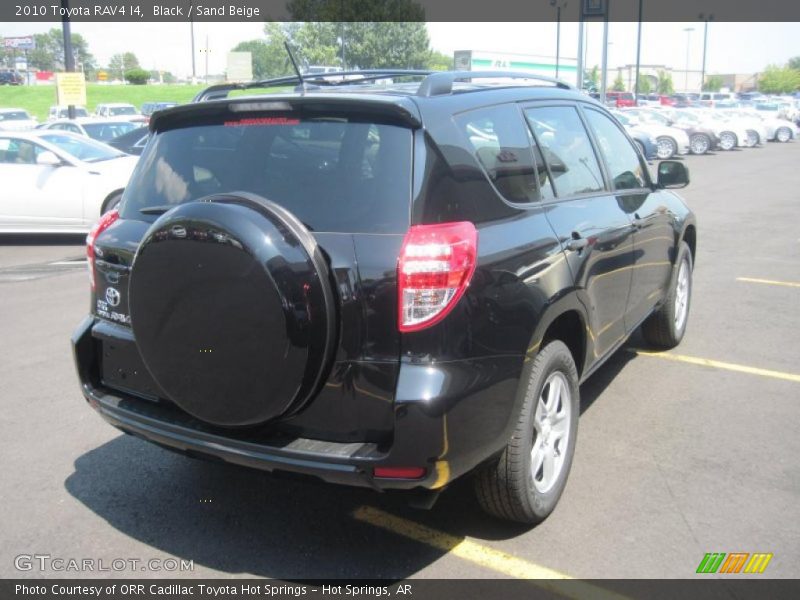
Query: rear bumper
x=448, y=418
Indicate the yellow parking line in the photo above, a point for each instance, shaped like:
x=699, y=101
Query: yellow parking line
x=705, y=362
x=769, y=282
x=490, y=558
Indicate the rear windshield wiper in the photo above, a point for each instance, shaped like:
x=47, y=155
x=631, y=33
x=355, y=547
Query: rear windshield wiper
x=157, y=210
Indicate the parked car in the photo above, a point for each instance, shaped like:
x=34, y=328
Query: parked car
x=148, y=108
x=647, y=144
x=132, y=142
x=701, y=139
x=62, y=112
x=756, y=131
x=119, y=110
x=16, y=119
x=670, y=141
x=769, y=127
x=102, y=130
x=731, y=133
x=711, y=99
x=387, y=290
x=11, y=78
x=58, y=182
x=620, y=99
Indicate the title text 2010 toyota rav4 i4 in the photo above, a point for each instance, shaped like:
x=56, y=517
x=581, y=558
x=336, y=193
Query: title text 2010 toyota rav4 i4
x=385, y=286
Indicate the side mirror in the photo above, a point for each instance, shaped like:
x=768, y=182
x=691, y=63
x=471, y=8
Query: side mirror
x=672, y=174
x=49, y=159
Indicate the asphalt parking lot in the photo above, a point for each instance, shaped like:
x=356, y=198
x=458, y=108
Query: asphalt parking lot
x=678, y=455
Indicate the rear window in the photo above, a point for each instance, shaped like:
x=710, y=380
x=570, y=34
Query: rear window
x=337, y=174
x=17, y=115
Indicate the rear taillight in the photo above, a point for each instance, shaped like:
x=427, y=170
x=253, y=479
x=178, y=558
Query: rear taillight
x=104, y=223
x=434, y=269
x=399, y=472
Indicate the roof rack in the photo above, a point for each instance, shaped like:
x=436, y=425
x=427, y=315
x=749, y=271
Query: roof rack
x=441, y=83
x=338, y=78
x=436, y=83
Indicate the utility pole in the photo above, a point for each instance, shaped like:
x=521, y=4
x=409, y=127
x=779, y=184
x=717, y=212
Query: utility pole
x=344, y=62
x=580, y=51
x=638, y=50
x=559, y=4
x=69, y=58
x=191, y=32
x=604, y=76
x=707, y=18
x=688, y=31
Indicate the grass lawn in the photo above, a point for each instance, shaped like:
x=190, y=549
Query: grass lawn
x=37, y=99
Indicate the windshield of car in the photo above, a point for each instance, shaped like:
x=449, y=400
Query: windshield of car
x=14, y=115
x=81, y=148
x=338, y=173
x=63, y=113
x=116, y=111
x=108, y=131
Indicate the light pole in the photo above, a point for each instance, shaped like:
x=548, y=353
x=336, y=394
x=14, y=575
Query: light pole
x=559, y=4
x=638, y=51
x=688, y=31
x=191, y=31
x=706, y=18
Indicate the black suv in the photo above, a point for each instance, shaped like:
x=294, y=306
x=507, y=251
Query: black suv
x=387, y=286
x=10, y=78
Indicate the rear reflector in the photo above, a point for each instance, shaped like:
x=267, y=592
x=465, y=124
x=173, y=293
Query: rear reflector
x=104, y=223
x=434, y=269
x=400, y=472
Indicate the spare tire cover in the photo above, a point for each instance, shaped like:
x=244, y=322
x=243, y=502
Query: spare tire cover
x=232, y=309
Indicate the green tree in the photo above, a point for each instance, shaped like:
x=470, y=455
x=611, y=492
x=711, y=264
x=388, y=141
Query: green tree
x=49, y=52
x=794, y=63
x=594, y=78
x=122, y=63
x=439, y=61
x=367, y=45
x=137, y=76
x=644, y=86
x=779, y=80
x=713, y=83
x=619, y=84
x=665, y=85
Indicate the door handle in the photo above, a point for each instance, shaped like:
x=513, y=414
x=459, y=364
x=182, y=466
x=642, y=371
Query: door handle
x=577, y=242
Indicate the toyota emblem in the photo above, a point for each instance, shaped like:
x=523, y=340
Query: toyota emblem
x=112, y=296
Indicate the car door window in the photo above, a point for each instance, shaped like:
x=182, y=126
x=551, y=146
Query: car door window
x=19, y=152
x=624, y=167
x=502, y=145
x=566, y=148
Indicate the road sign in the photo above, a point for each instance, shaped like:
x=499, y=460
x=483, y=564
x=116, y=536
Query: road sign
x=20, y=43
x=70, y=89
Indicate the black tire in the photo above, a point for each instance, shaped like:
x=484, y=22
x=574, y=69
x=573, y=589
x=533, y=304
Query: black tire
x=699, y=143
x=667, y=147
x=111, y=202
x=662, y=329
x=783, y=135
x=505, y=486
x=728, y=140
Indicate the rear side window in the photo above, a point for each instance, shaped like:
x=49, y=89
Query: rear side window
x=337, y=173
x=502, y=144
x=624, y=167
x=567, y=150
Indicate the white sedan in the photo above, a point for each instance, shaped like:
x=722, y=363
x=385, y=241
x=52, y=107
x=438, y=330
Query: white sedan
x=16, y=119
x=58, y=182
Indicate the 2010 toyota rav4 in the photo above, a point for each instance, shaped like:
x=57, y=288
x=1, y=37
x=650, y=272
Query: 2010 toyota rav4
x=386, y=286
